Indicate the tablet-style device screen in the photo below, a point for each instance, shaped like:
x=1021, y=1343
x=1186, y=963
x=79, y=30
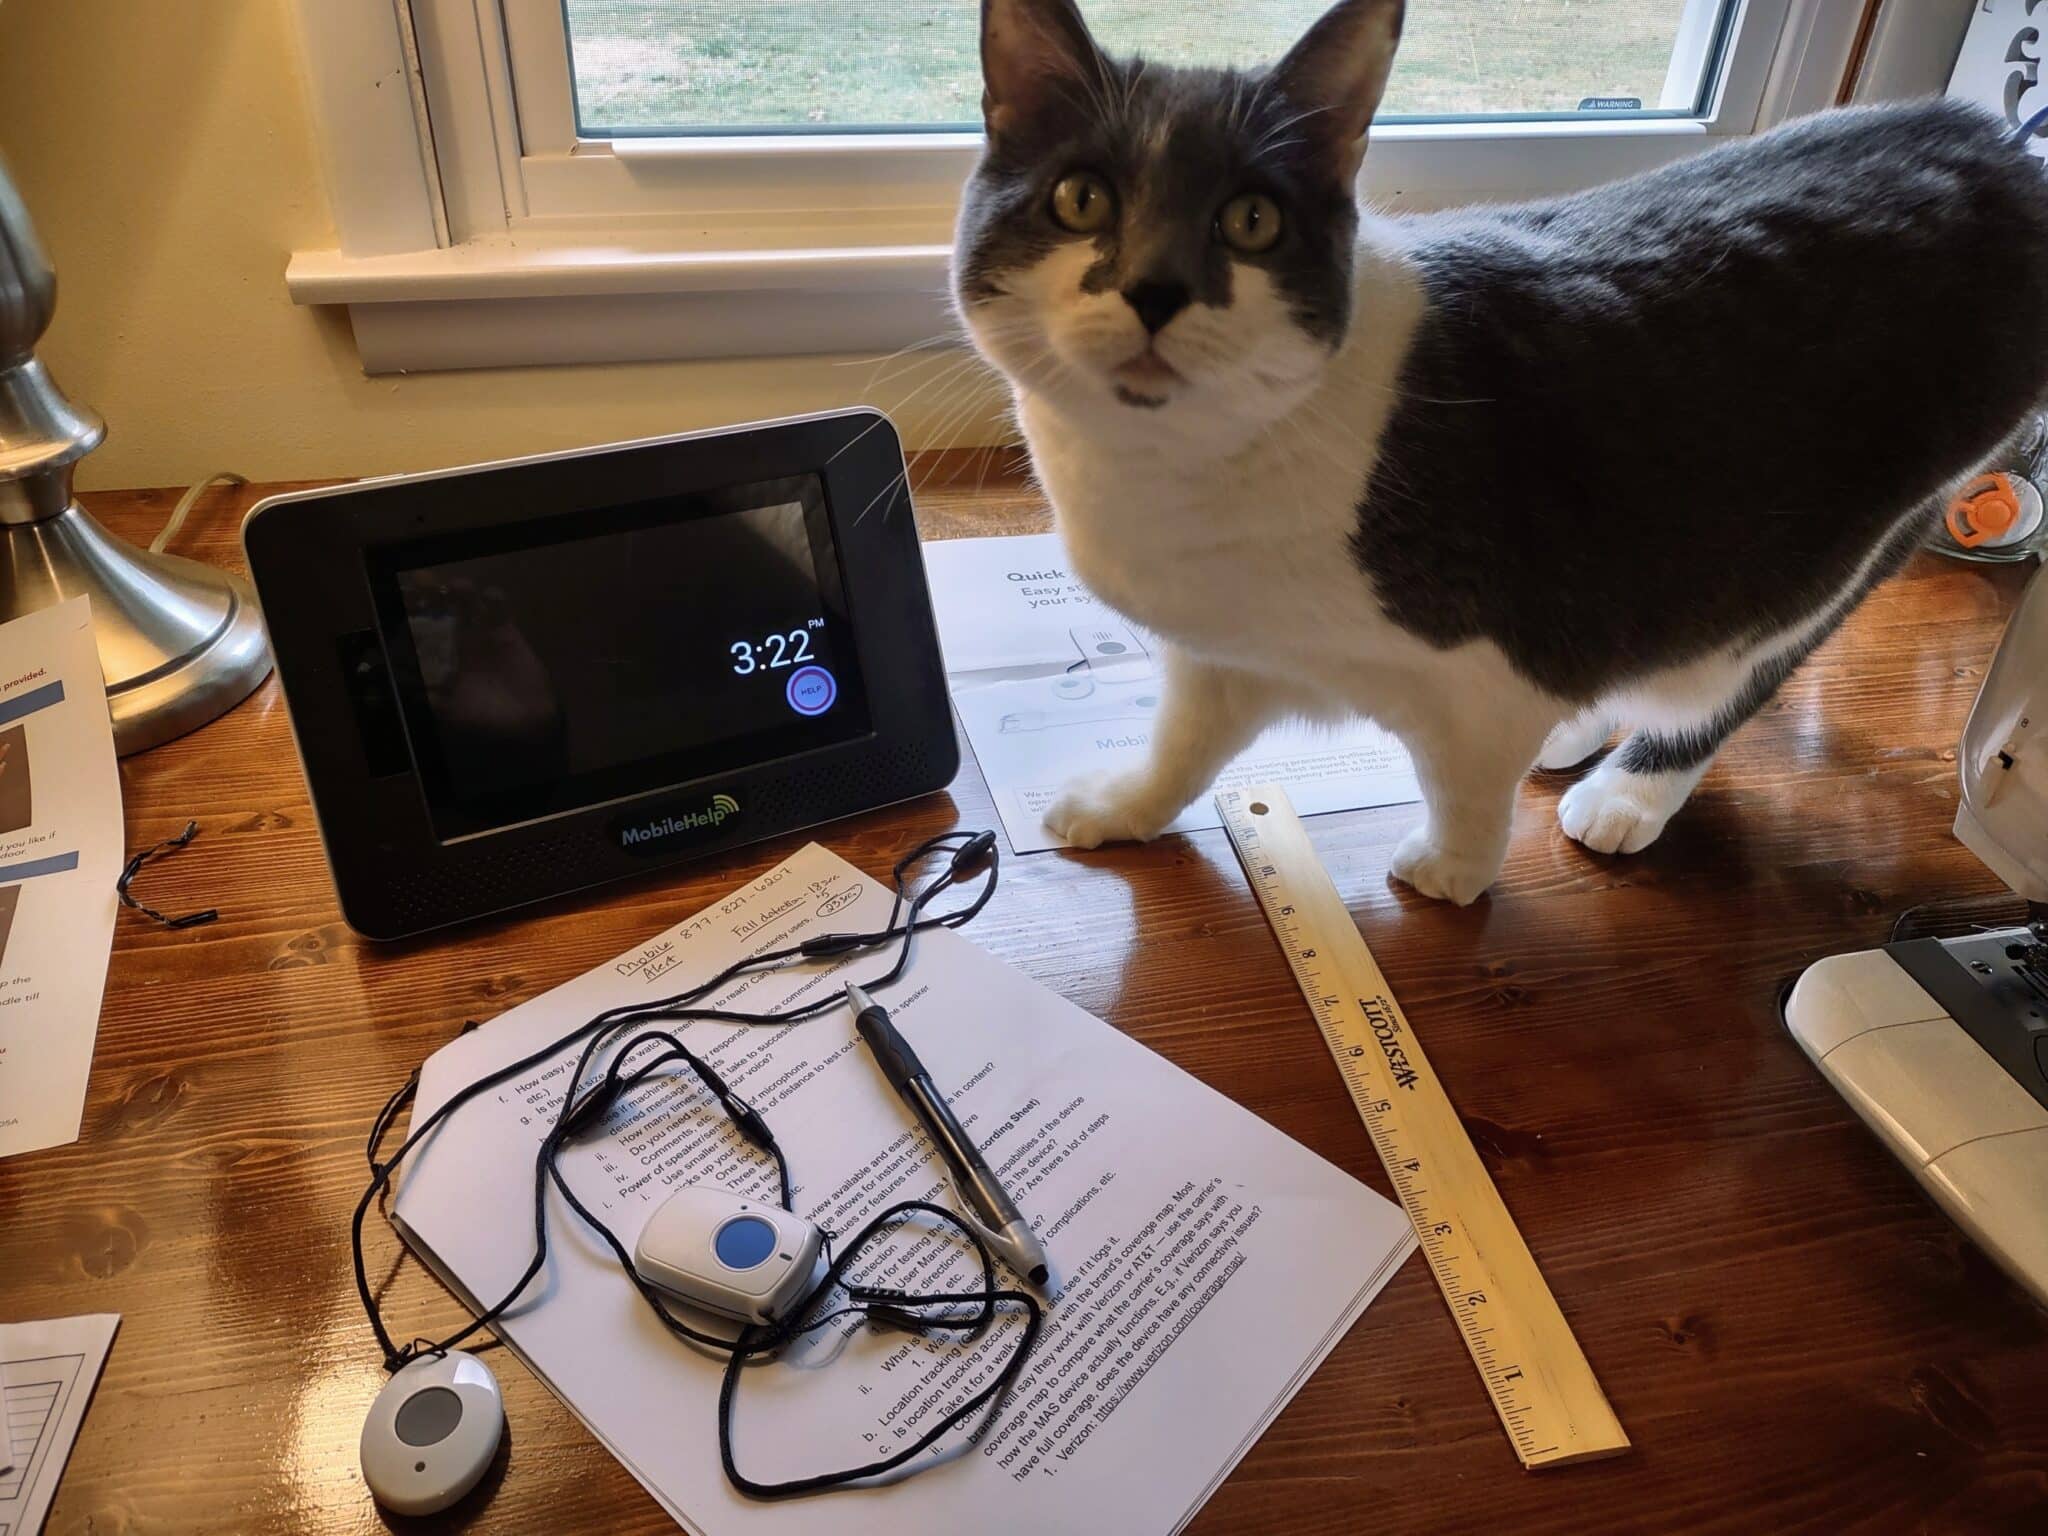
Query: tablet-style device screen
x=561, y=663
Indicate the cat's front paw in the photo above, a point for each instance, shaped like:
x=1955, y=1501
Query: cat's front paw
x=1611, y=811
x=1103, y=808
x=1448, y=874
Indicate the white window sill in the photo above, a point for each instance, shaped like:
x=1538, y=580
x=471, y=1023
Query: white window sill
x=531, y=269
x=844, y=282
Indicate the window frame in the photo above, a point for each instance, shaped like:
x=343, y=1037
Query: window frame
x=475, y=229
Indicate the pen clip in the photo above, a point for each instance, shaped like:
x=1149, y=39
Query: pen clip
x=981, y=1229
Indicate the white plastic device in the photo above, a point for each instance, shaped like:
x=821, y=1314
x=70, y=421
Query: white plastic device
x=1941, y=1045
x=432, y=1432
x=2002, y=813
x=1972, y=1136
x=737, y=1257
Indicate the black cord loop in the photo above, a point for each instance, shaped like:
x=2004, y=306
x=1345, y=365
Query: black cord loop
x=653, y=1051
x=133, y=867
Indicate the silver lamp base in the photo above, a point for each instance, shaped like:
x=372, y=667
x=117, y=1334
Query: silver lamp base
x=180, y=642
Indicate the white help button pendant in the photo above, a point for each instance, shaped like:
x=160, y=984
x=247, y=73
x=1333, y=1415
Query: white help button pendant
x=432, y=1432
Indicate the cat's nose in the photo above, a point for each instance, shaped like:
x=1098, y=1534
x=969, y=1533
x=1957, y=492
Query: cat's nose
x=1157, y=303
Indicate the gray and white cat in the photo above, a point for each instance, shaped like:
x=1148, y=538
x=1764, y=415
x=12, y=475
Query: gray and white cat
x=1500, y=479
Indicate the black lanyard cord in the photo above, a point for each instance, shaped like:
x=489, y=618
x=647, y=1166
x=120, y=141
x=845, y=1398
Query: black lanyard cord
x=972, y=853
x=882, y=1305
x=900, y=1311
x=580, y=1112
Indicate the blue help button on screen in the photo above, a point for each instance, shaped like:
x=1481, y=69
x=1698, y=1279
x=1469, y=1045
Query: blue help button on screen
x=812, y=690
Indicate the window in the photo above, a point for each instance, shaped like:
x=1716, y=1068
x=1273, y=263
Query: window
x=658, y=67
x=580, y=180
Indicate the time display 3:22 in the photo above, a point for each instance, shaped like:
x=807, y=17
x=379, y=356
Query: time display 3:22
x=790, y=648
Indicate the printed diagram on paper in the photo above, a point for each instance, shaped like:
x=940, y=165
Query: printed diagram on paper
x=60, y=851
x=1051, y=685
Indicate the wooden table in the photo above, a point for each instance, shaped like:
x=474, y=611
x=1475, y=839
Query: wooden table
x=1792, y=1334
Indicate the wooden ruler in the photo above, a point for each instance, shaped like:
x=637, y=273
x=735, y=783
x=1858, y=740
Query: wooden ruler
x=1534, y=1370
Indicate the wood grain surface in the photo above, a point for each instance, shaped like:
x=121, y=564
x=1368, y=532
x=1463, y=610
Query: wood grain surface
x=1795, y=1339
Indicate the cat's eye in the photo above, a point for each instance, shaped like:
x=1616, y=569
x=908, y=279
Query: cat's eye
x=1249, y=223
x=1083, y=203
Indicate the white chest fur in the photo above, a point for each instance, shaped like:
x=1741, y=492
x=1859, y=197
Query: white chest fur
x=1245, y=557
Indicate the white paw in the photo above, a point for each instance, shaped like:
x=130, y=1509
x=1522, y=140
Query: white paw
x=1573, y=742
x=1615, y=812
x=1444, y=873
x=1103, y=808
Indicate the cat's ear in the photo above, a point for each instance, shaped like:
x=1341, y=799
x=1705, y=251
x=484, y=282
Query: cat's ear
x=1037, y=62
x=1337, y=74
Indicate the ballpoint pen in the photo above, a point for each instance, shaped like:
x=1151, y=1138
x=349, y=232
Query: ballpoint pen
x=1003, y=1228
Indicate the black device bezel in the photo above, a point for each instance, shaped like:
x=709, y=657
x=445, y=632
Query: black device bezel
x=312, y=555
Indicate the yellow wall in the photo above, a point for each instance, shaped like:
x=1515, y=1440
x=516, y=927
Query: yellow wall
x=165, y=150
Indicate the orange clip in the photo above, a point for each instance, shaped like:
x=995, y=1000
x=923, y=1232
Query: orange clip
x=1985, y=508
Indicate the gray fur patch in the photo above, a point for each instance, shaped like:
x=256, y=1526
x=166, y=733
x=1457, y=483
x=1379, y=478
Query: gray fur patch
x=1665, y=416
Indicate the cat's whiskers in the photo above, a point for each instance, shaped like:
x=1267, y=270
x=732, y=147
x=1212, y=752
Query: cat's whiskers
x=944, y=374
x=1238, y=113
x=954, y=422
x=1405, y=395
x=1133, y=79
x=940, y=379
x=956, y=404
x=878, y=380
x=958, y=417
x=1285, y=123
x=952, y=337
x=969, y=404
x=895, y=481
x=1096, y=82
x=910, y=357
x=1260, y=81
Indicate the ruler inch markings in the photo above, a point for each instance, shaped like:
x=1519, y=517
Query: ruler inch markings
x=1531, y=1366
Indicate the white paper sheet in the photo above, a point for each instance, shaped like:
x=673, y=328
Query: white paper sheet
x=1050, y=685
x=49, y=1370
x=60, y=852
x=1998, y=64
x=1204, y=1263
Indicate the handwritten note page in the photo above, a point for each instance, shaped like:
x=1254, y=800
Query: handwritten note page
x=60, y=851
x=1050, y=684
x=1203, y=1262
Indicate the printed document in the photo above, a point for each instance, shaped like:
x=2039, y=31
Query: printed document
x=1051, y=685
x=1203, y=1263
x=60, y=853
x=47, y=1372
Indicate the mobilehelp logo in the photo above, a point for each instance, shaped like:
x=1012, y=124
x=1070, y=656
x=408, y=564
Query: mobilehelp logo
x=639, y=834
